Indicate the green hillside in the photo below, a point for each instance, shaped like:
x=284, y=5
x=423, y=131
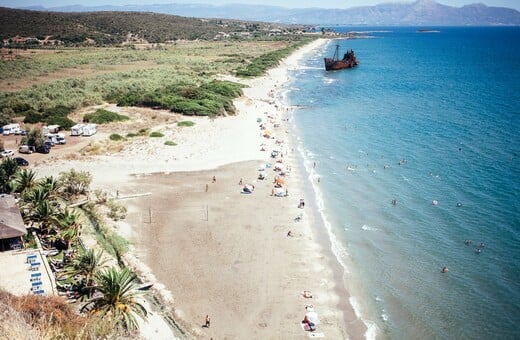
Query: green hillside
x=108, y=28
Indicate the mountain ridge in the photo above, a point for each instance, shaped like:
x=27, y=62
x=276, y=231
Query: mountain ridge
x=421, y=12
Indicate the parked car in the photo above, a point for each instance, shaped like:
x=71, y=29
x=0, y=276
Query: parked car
x=49, y=143
x=26, y=149
x=43, y=149
x=7, y=153
x=21, y=161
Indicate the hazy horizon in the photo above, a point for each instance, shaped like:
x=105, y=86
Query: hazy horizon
x=515, y=4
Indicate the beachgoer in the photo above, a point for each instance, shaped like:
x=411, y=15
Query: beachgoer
x=207, y=321
x=444, y=269
x=467, y=242
x=289, y=234
x=314, y=165
x=482, y=245
x=479, y=250
x=240, y=182
x=301, y=205
x=459, y=204
x=214, y=179
x=207, y=187
x=394, y=202
x=318, y=179
x=306, y=294
x=435, y=202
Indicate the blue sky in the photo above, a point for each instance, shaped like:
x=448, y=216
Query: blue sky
x=285, y=3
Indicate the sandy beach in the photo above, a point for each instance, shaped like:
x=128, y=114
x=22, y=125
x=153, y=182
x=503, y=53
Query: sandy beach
x=242, y=259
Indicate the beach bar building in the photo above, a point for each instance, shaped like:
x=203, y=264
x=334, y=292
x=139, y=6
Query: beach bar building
x=12, y=227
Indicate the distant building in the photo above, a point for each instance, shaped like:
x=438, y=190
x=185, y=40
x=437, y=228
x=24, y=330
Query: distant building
x=12, y=226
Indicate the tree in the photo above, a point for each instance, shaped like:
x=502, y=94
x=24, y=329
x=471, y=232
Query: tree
x=25, y=180
x=87, y=264
x=119, y=299
x=35, y=138
x=8, y=169
x=69, y=225
x=75, y=182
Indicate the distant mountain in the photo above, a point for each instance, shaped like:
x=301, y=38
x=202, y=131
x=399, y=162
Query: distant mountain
x=418, y=13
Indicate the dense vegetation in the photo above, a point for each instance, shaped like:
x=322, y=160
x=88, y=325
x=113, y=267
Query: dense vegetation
x=176, y=77
x=261, y=63
x=109, y=28
x=102, y=116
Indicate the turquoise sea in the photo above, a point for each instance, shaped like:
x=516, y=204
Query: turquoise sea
x=424, y=117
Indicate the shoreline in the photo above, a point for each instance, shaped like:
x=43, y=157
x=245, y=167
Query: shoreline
x=243, y=269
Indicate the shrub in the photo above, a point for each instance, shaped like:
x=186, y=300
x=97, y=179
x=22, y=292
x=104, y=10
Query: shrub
x=116, y=210
x=63, y=122
x=170, y=143
x=156, y=134
x=116, y=137
x=102, y=116
x=185, y=123
x=32, y=117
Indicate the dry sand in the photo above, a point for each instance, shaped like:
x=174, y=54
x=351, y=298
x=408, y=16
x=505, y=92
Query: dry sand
x=218, y=252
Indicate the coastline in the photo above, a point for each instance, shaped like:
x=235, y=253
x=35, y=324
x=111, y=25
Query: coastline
x=242, y=268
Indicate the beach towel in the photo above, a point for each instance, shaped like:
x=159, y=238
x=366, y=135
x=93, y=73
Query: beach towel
x=316, y=335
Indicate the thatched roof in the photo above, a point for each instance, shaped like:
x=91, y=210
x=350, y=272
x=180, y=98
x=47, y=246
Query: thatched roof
x=11, y=222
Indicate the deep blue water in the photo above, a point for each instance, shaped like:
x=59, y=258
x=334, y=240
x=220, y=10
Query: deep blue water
x=448, y=105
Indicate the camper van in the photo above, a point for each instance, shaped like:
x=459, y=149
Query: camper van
x=11, y=129
x=56, y=138
x=89, y=130
x=77, y=130
x=50, y=129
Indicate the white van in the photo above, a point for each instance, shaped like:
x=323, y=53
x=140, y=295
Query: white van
x=77, y=130
x=11, y=128
x=89, y=130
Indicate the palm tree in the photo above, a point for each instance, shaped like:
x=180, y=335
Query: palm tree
x=25, y=180
x=50, y=185
x=87, y=264
x=119, y=299
x=44, y=215
x=69, y=225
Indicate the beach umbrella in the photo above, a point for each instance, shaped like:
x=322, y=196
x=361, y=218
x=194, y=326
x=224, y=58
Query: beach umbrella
x=312, y=316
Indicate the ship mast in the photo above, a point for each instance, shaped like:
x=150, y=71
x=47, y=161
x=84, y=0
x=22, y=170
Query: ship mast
x=336, y=53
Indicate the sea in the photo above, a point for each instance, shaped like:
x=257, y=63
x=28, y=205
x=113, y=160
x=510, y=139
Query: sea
x=413, y=161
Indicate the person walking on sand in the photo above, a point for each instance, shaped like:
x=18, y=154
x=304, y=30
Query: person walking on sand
x=207, y=187
x=214, y=179
x=207, y=321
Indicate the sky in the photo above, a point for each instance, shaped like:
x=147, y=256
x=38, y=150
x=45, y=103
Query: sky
x=285, y=3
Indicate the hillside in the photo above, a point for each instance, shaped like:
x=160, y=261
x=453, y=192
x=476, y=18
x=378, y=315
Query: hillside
x=107, y=28
x=421, y=12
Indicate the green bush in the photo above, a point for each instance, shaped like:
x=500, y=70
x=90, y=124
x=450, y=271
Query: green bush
x=156, y=134
x=63, y=122
x=32, y=117
x=102, y=116
x=170, y=143
x=116, y=137
x=186, y=123
x=131, y=135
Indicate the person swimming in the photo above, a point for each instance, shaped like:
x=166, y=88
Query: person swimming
x=444, y=269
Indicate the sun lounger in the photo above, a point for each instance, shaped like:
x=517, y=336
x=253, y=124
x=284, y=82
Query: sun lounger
x=36, y=276
x=35, y=286
x=34, y=266
x=39, y=292
x=31, y=258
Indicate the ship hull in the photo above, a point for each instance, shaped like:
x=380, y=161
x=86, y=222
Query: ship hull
x=331, y=64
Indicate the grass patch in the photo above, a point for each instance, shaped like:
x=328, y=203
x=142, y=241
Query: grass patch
x=170, y=143
x=116, y=137
x=186, y=123
x=102, y=116
x=156, y=134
